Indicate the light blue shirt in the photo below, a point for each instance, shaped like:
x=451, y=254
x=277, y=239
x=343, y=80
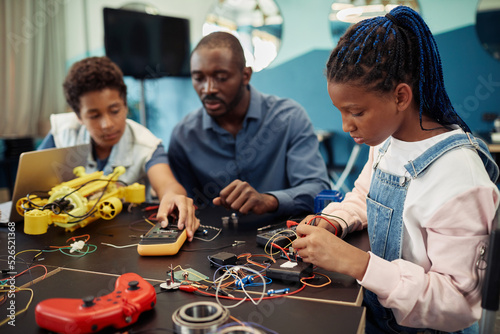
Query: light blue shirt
x=135, y=150
x=276, y=152
x=159, y=155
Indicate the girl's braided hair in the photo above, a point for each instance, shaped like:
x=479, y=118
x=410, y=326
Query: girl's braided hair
x=382, y=52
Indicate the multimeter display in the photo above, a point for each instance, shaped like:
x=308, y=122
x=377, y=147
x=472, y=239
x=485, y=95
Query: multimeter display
x=159, y=241
x=161, y=235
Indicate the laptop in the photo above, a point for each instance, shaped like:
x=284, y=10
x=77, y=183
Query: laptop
x=39, y=171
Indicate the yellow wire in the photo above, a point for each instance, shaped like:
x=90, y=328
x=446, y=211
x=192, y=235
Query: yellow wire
x=28, y=250
x=275, y=237
x=24, y=309
x=149, y=221
x=237, y=320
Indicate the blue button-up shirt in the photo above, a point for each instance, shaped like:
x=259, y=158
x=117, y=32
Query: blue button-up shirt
x=276, y=152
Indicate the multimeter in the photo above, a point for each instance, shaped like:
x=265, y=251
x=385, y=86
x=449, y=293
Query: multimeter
x=159, y=241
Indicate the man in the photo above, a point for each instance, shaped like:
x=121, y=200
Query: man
x=95, y=90
x=244, y=150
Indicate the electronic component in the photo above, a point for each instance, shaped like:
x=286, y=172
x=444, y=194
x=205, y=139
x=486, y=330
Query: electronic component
x=200, y=317
x=244, y=281
x=289, y=271
x=272, y=292
x=223, y=259
x=234, y=218
x=282, y=236
x=160, y=241
x=170, y=283
x=189, y=274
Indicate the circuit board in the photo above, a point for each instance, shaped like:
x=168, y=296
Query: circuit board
x=282, y=236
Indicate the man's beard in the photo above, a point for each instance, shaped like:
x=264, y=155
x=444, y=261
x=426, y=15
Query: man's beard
x=229, y=107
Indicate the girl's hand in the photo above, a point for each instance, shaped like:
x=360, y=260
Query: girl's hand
x=323, y=249
x=325, y=223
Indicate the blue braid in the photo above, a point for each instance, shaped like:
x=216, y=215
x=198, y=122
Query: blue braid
x=433, y=93
x=381, y=53
x=363, y=46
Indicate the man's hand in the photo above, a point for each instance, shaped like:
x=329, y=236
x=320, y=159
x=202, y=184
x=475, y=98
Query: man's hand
x=241, y=196
x=183, y=209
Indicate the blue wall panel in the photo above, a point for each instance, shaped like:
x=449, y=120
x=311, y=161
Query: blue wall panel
x=472, y=79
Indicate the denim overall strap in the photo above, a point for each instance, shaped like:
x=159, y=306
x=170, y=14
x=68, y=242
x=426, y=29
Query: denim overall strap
x=418, y=165
x=385, y=203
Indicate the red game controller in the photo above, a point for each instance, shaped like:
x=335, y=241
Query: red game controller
x=132, y=296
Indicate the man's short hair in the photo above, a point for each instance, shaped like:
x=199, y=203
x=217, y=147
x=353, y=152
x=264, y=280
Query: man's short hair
x=92, y=74
x=225, y=40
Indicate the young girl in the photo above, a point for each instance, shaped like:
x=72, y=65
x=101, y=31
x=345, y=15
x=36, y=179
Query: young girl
x=426, y=193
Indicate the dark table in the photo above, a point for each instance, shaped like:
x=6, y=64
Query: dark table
x=284, y=315
x=335, y=308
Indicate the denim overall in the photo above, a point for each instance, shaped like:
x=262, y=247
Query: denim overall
x=385, y=203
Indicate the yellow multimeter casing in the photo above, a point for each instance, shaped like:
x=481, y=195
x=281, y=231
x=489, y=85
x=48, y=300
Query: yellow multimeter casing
x=160, y=241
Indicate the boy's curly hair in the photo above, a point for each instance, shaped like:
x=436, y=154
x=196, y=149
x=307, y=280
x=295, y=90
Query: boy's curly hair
x=92, y=74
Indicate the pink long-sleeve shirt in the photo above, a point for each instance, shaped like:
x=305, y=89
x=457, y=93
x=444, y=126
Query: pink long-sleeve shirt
x=448, y=215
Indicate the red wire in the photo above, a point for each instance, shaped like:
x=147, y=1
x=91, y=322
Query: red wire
x=80, y=236
x=281, y=248
x=322, y=217
x=37, y=265
x=74, y=239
